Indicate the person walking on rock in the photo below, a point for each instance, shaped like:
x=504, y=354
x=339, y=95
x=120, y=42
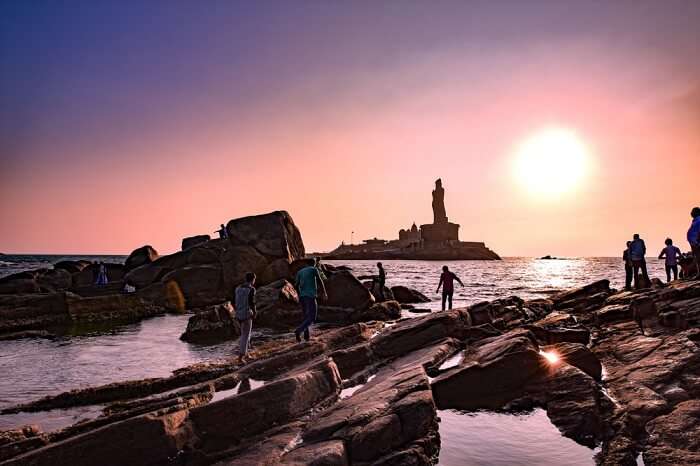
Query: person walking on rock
x=244, y=303
x=694, y=238
x=447, y=279
x=637, y=252
x=672, y=253
x=628, y=267
x=308, y=281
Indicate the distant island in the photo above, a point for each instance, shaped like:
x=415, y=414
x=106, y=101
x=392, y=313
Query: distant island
x=433, y=241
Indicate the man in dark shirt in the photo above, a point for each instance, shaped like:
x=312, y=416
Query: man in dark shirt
x=447, y=279
x=381, y=280
x=639, y=264
x=244, y=304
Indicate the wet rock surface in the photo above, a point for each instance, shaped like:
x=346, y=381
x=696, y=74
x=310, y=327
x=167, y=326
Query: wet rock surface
x=618, y=370
x=406, y=295
x=213, y=323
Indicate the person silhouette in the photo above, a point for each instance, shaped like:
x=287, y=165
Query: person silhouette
x=671, y=253
x=381, y=280
x=223, y=233
x=628, y=267
x=447, y=279
x=694, y=238
x=637, y=252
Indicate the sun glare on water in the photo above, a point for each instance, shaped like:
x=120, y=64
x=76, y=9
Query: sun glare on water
x=551, y=162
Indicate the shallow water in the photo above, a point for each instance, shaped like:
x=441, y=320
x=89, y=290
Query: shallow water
x=33, y=368
x=52, y=420
x=497, y=439
x=243, y=386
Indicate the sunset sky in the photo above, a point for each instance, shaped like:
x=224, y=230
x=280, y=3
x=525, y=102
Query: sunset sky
x=132, y=123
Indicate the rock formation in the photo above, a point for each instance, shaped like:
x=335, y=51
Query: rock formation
x=369, y=393
x=213, y=323
x=141, y=256
x=406, y=295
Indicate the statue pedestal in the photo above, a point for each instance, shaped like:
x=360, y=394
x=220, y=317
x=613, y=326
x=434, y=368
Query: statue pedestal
x=439, y=232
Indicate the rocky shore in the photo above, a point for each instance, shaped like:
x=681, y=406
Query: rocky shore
x=618, y=370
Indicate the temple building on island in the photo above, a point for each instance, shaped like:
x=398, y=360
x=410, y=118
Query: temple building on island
x=410, y=235
x=433, y=241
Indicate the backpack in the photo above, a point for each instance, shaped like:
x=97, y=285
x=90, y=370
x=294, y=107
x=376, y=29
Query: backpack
x=241, y=303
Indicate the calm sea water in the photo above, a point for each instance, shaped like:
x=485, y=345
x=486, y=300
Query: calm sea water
x=13, y=263
x=486, y=280
x=151, y=348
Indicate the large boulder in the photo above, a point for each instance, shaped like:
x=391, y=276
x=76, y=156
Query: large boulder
x=386, y=310
x=406, y=295
x=373, y=287
x=192, y=241
x=207, y=273
x=72, y=266
x=201, y=285
x=213, y=323
x=345, y=290
x=273, y=235
x=145, y=275
x=493, y=376
x=277, y=305
x=141, y=256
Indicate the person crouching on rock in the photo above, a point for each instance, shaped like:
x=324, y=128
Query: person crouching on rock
x=244, y=303
x=694, y=238
x=447, y=279
x=672, y=253
x=308, y=281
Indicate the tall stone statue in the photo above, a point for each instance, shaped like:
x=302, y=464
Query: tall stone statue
x=439, y=214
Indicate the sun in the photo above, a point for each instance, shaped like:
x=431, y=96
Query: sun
x=551, y=162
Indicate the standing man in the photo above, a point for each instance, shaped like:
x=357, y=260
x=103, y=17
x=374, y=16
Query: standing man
x=637, y=252
x=245, y=313
x=694, y=238
x=223, y=233
x=447, y=279
x=672, y=253
x=308, y=281
x=628, y=267
x=381, y=280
